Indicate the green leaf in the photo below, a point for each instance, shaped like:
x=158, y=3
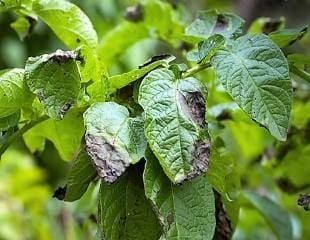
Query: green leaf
x=278, y=219
x=255, y=73
x=175, y=124
x=206, y=49
x=212, y=22
x=9, y=121
x=6, y=5
x=185, y=211
x=22, y=26
x=66, y=135
x=298, y=60
x=122, y=80
x=125, y=213
x=113, y=139
x=68, y=22
x=287, y=37
x=55, y=79
x=14, y=93
x=82, y=172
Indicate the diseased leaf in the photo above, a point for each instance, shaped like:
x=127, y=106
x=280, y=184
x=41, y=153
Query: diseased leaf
x=206, y=49
x=9, y=121
x=125, y=213
x=185, y=211
x=255, y=73
x=267, y=25
x=286, y=37
x=113, y=139
x=66, y=135
x=122, y=80
x=212, y=22
x=55, y=79
x=278, y=219
x=82, y=172
x=175, y=124
x=14, y=93
x=68, y=22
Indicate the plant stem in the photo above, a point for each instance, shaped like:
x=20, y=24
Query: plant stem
x=196, y=69
x=300, y=73
x=19, y=133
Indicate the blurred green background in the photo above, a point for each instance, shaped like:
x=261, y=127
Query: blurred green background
x=277, y=170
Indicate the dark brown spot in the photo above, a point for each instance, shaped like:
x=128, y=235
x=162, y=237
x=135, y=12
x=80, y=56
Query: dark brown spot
x=304, y=201
x=194, y=106
x=170, y=218
x=108, y=161
x=63, y=56
x=221, y=23
x=134, y=13
x=65, y=108
x=78, y=40
x=60, y=193
x=271, y=25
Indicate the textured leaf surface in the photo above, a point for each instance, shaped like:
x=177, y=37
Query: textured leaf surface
x=175, y=126
x=68, y=22
x=125, y=211
x=277, y=218
x=79, y=176
x=113, y=139
x=212, y=22
x=14, y=92
x=55, y=79
x=255, y=73
x=186, y=211
x=66, y=135
x=206, y=49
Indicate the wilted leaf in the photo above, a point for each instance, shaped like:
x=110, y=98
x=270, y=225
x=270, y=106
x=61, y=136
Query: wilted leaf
x=175, y=124
x=55, y=79
x=113, y=139
x=255, y=73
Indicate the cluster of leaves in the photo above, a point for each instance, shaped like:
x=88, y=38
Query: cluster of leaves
x=150, y=149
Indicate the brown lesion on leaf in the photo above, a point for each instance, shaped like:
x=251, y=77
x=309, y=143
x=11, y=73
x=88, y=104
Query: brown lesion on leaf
x=63, y=56
x=221, y=23
x=134, y=13
x=193, y=105
x=108, y=161
x=304, y=201
x=65, y=108
x=223, y=229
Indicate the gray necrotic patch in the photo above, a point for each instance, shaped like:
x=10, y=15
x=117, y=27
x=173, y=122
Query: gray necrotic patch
x=108, y=161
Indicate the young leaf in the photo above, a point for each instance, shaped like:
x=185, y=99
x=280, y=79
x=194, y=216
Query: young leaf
x=66, y=135
x=125, y=211
x=122, y=80
x=14, y=92
x=80, y=175
x=206, y=49
x=287, y=37
x=186, y=211
x=23, y=26
x=255, y=73
x=68, y=22
x=175, y=124
x=55, y=79
x=113, y=139
x=212, y=22
x=277, y=218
